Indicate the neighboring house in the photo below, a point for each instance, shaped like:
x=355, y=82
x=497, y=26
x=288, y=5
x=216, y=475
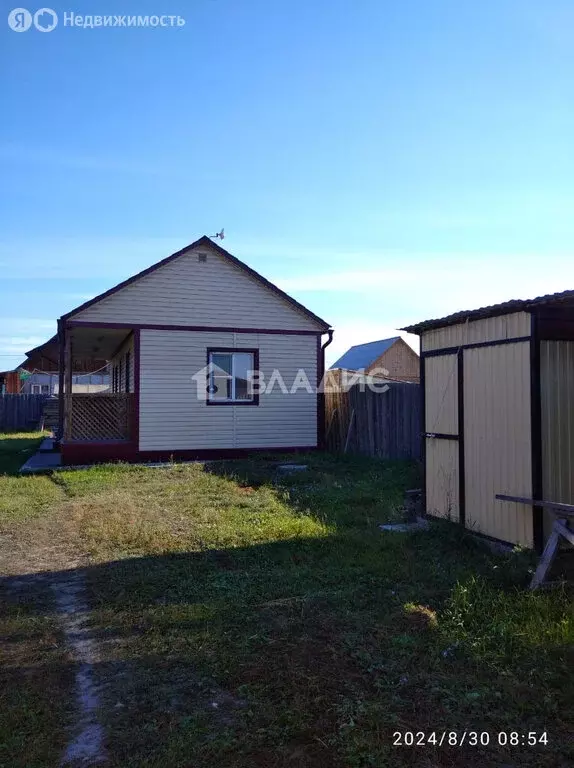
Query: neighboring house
x=387, y=357
x=9, y=382
x=47, y=383
x=89, y=375
x=187, y=341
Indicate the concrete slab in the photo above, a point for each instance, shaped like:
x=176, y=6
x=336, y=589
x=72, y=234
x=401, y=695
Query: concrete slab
x=41, y=462
x=292, y=467
x=420, y=525
x=47, y=445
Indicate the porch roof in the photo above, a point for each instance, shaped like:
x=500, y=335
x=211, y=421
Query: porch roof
x=91, y=349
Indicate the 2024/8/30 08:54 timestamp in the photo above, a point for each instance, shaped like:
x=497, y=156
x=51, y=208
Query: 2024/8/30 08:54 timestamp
x=470, y=738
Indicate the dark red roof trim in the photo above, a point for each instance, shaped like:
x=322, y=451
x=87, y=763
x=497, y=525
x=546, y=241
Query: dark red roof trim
x=207, y=242
x=200, y=328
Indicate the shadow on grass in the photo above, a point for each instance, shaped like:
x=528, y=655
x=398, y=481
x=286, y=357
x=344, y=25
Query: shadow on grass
x=307, y=652
x=16, y=448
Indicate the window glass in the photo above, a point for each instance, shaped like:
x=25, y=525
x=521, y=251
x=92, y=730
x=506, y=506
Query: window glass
x=242, y=365
x=228, y=377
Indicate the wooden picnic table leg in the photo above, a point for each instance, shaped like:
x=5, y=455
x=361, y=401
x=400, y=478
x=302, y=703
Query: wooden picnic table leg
x=547, y=557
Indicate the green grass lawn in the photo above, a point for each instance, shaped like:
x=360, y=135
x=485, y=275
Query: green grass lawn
x=16, y=447
x=244, y=618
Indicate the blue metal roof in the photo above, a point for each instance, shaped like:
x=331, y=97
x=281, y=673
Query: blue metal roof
x=362, y=355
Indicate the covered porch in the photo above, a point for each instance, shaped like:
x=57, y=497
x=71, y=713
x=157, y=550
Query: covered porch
x=101, y=425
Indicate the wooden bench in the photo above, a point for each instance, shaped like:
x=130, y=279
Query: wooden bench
x=564, y=513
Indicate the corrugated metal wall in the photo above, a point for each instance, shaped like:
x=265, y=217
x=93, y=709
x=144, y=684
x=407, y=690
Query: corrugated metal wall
x=441, y=416
x=442, y=497
x=557, y=396
x=497, y=430
x=497, y=443
x=490, y=329
x=441, y=384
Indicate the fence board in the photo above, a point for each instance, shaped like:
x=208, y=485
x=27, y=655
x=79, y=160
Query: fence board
x=21, y=411
x=387, y=423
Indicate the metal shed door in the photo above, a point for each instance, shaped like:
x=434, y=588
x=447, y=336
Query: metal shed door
x=497, y=440
x=441, y=382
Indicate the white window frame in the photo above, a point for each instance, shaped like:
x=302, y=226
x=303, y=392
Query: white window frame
x=254, y=399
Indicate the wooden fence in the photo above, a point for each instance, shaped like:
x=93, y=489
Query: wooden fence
x=21, y=411
x=379, y=423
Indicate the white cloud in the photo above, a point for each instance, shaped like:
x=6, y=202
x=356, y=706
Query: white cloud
x=434, y=290
x=13, y=349
x=109, y=258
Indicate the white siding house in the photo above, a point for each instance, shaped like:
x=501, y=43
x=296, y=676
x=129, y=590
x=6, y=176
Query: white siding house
x=194, y=344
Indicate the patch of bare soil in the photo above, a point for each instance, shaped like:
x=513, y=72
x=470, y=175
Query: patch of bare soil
x=40, y=546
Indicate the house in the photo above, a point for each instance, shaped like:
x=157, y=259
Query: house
x=498, y=416
x=42, y=376
x=10, y=382
x=207, y=359
x=40, y=383
x=392, y=358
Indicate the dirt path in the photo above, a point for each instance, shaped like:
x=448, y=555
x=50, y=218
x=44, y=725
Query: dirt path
x=87, y=744
x=40, y=564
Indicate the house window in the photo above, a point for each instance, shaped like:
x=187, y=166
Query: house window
x=40, y=389
x=230, y=378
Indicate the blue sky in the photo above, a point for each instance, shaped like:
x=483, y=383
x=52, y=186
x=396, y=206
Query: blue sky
x=383, y=161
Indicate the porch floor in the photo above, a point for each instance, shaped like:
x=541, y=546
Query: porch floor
x=42, y=461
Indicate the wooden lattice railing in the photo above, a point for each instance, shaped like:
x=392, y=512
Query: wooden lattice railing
x=101, y=416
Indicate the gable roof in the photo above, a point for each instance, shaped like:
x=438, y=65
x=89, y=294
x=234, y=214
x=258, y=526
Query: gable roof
x=203, y=241
x=362, y=355
x=506, y=308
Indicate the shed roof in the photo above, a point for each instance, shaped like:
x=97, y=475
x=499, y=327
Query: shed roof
x=362, y=355
x=204, y=240
x=506, y=308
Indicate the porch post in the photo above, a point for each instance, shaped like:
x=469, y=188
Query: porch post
x=61, y=360
x=68, y=386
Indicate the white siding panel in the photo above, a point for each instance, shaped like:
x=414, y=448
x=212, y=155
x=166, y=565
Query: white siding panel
x=173, y=418
x=189, y=292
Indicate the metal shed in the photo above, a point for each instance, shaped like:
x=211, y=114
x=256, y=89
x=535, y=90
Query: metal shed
x=498, y=415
